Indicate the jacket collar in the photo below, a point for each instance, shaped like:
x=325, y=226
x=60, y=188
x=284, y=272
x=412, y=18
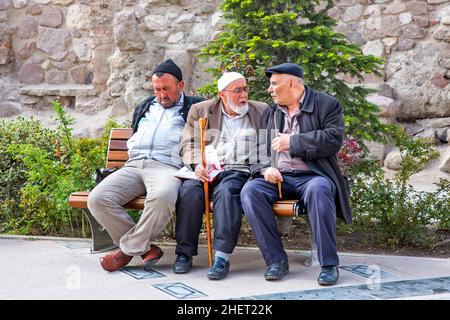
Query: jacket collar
x=215, y=115
x=253, y=114
x=308, y=102
x=187, y=101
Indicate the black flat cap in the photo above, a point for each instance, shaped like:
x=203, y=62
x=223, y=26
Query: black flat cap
x=169, y=66
x=288, y=68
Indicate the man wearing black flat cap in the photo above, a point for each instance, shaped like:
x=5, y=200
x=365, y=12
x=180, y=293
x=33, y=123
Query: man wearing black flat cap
x=305, y=130
x=154, y=156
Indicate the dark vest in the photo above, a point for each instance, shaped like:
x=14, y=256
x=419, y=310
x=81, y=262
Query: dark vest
x=143, y=107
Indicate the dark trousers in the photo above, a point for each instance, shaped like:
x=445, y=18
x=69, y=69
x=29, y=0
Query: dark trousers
x=225, y=193
x=316, y=192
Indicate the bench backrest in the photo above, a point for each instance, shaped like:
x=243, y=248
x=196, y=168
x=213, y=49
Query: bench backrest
x=117, y=147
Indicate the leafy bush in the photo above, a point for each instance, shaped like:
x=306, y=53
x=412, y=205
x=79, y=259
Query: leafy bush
x=40, y=168
x=391, y=210
x=13, y=172
x=398, y=215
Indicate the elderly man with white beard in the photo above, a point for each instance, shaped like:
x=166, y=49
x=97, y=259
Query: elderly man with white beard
x=232, y=127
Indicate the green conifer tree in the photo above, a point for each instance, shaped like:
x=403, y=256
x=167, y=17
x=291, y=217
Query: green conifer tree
x=262, y=33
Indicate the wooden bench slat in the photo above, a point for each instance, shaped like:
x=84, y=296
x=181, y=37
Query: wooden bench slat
x=80, y=193
x=117, y=155
x=137, y=203
x=113, y=164
x=121, y=134
x=118, y=145
x=79, y=200
x=287, y=202
x=285, y=208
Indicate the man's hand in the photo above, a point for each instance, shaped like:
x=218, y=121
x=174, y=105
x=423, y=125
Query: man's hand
x=273, y=175
x=201, y=174
x=281, y=143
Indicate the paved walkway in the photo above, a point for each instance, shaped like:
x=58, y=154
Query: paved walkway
x=59, y=268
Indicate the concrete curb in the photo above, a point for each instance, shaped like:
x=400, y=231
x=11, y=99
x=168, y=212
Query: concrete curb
x=172, y=244
x=33, y=238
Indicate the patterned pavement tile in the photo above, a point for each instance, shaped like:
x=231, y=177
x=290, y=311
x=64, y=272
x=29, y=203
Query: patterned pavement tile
x=138, y=273
x=179, y=290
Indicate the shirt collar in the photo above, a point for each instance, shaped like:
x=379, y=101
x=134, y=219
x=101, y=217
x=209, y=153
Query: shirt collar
x=179, y=103
x=284, y=108
x=303, y=97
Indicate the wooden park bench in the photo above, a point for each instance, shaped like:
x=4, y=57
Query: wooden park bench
x=116, y=157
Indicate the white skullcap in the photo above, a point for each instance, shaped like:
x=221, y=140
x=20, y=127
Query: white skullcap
x=227, y=78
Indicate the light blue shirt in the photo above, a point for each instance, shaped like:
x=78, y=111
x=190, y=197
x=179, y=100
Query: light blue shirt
x=158, y=135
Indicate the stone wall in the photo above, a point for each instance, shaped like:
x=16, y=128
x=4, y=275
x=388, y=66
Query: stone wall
x=414, y=39
x=96, y=56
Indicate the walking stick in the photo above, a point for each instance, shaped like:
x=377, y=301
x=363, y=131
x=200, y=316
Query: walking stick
x=202, y=122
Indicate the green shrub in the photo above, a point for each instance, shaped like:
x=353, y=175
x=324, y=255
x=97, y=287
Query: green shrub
x=398, y=215
x=13, y=172
x=391, y=210
x=40, y=168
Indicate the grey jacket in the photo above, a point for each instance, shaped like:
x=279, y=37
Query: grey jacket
x=321, y=136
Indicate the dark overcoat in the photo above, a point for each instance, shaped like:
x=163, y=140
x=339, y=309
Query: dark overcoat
x=320, y=137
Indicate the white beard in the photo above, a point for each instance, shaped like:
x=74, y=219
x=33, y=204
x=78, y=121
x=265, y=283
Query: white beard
x=240, y=110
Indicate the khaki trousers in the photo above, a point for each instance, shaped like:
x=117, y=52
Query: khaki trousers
x=135, y=179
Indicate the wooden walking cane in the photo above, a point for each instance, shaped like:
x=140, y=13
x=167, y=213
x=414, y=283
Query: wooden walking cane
x=202, y=122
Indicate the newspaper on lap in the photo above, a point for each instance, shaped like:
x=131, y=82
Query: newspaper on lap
x=213, y=166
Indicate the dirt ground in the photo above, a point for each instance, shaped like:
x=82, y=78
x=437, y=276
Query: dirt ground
x=298, y=239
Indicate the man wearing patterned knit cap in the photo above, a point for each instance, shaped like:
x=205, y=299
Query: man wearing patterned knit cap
x=153, y=152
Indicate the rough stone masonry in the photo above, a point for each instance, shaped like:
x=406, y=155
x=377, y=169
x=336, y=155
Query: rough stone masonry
x=96, y=57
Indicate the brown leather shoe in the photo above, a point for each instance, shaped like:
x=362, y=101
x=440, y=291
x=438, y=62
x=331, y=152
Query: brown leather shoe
x=114, y=261
x=151, y=256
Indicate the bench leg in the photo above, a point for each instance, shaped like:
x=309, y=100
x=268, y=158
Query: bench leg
x=313, y=260
x=101, y=240
x=284, y=225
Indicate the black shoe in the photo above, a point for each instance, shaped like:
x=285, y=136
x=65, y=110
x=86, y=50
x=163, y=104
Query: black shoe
x=183, y=264
x=276, y=270
x=219, y=269
x=328, y=276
